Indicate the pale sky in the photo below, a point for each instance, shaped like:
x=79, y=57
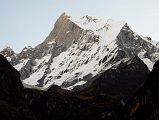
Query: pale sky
x=28, y=22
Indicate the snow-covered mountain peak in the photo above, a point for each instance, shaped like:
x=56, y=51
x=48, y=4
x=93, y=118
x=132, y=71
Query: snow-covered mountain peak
x=84, y=58
x=9, y=54
x=64, y=14
x=7, y=48
x=7, y=51
x=77, y=50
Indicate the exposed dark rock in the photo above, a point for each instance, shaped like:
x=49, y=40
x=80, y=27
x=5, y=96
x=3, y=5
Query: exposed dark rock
x=10, y=55
x=26, y=53
x=132, y=43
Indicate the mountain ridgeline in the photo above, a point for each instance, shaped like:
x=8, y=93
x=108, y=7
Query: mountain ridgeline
x=87, y=68
x=78, y=50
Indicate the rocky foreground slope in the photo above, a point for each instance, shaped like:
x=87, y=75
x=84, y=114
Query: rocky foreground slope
x=79, y=50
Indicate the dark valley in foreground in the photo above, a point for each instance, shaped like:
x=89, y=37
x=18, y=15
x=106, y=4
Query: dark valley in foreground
x=98, y=101
x=89, y=68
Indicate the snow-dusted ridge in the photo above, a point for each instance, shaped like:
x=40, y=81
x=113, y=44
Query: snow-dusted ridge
x=79, y=49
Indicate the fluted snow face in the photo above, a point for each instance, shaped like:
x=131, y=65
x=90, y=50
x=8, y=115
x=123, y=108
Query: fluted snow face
x=85, y=58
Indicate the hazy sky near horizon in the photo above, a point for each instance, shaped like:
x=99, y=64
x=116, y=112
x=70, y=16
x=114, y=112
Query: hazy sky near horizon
x=28, y=22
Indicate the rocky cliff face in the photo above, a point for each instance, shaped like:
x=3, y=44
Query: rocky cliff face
x=59, y=39
x=12, y=102
x=10, y=55
x=78, y=50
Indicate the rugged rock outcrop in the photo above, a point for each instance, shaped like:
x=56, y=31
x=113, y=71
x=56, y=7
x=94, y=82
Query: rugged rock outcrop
x=64, y=33
x=12, y=102
x=10, y=55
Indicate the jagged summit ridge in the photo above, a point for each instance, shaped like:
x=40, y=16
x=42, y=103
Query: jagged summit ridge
x=77, y=50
